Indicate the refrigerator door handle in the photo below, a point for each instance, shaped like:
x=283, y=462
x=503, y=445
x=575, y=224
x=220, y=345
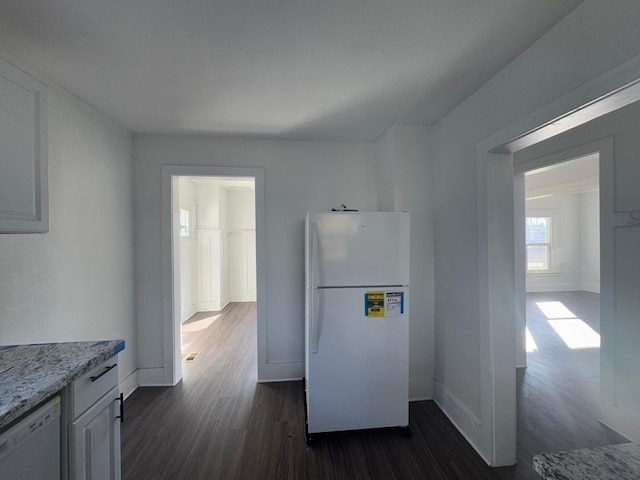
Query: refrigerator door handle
x=314, y=255
x=314, y=322
x=314, y=283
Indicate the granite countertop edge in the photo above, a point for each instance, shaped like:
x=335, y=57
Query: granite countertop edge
x=30, y=374
x=607, y=462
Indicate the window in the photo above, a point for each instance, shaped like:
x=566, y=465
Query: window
x=538, y=240
x=184, y=223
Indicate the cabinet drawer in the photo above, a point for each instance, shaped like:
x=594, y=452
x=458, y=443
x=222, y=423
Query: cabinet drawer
x=90, y=387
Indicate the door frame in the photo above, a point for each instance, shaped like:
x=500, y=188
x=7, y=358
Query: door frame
x=495, y=175
x=172, y=361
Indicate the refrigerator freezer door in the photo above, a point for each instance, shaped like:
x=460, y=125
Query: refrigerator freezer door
x=359, y=377
x=361, y=249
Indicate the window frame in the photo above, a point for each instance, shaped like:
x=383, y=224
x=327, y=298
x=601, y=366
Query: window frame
x=191, y=211
x=552, y=241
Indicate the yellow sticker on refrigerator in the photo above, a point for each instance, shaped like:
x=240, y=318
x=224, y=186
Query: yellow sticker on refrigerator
x=374, y=304
x=383, y=304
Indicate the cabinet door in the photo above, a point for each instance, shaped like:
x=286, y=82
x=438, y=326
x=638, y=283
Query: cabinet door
x=94, y=450
x=23, y=152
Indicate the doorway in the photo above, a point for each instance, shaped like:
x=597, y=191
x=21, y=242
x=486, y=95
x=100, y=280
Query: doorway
x=497, y=269
x=217, y=253
x=558, y=379
x=559, y=249
x=215, y=282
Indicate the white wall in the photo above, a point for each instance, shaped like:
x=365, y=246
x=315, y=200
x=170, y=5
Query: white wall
x=241, y=211
x=404, y=184
x=187, y=193
x=589, y=42
x=75, y=283
x=590, y=214
x=226, y=245
x=566, y=269
x=298, y=176
x=576, y=236
x=188, y=251
x=212, y=206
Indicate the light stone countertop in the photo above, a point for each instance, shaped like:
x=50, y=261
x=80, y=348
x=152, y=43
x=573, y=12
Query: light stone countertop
x=611, y=462
x=30, y=374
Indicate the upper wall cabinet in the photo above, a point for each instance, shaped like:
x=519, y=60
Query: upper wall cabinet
x=24, y=203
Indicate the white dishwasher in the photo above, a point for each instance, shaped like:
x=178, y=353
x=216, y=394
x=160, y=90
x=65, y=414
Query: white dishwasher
x=30, y=450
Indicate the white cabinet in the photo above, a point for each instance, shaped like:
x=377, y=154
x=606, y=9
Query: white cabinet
x=23, y=152
x=95, y=441
x=94, y=416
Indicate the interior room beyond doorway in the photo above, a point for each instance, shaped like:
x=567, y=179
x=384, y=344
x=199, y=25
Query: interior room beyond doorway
x=217, y=235
x=558, y=393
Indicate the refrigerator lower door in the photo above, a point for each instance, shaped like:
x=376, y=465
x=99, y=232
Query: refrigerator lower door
x=359, y=376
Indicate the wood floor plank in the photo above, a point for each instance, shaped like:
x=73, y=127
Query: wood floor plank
x=219, y=423
x=558, y=392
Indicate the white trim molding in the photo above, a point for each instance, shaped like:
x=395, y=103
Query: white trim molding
x=172, y=364
x=614, y=90
x=465, y=421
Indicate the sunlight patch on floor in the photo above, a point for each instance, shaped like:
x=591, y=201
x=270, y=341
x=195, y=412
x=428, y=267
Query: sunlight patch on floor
x=530, y=343
x=199, y=324
x=553, y=310
x=575, y=333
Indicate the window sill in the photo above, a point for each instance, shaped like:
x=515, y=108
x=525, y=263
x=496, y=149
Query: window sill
x=551, y=273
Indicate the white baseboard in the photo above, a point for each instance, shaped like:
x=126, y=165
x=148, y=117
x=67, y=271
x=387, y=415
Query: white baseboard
x=623, y=421
x=591, y=287
x=129, y=384
x=461, y=417
x=191, y=313
x=241, y=298
x=278, y=372
x=152, y=377
x=210, y=307
x=554, y=287
x=275, y=380
x=420, y=388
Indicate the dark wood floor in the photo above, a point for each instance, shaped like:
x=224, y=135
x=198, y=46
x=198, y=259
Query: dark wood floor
x=558, y=392
x=218, y=423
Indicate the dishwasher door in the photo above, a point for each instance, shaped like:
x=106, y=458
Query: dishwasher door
x=30, y=450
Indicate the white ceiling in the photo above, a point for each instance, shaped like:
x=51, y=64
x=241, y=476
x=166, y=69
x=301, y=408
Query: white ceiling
x=307, y=69
x=575, y=176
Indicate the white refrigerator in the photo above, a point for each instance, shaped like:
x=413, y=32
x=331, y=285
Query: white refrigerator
x=356, y=321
